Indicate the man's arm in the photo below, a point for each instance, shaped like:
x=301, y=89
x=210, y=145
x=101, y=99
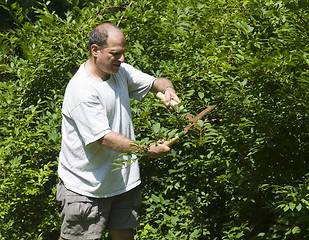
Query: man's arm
x=120, y=143
x=165, y=86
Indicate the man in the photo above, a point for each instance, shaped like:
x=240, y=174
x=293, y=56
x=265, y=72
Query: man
x=96, y=128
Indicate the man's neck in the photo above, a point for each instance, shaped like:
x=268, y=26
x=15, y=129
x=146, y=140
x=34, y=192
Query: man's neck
x=91, y=68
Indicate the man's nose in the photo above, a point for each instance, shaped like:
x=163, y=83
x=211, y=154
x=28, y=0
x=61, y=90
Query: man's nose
x=121, y=58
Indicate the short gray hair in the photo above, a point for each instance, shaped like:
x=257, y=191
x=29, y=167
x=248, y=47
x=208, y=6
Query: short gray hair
x=99, y=34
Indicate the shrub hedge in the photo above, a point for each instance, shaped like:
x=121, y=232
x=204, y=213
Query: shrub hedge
x=242, y=175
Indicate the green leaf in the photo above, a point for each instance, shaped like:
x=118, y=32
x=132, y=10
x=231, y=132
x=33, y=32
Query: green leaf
x=299, y=207
x=200, y=123
x=156, y=127
x=201, y=95
x=292, y=206
x=296, y=230
x=245, y=27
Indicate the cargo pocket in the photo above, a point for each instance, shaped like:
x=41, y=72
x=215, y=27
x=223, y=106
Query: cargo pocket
x=81, y=210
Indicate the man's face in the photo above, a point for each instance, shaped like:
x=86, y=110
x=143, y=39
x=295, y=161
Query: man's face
x=108, y=59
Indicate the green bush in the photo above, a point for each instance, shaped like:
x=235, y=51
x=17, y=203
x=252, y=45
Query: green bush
x=242, y=175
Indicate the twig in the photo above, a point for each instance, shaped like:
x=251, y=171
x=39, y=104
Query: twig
x=123, y=14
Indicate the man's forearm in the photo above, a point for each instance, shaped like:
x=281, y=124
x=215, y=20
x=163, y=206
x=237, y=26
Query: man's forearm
x=120, y=143
x=164, y=85
x=161, y=85
x=117, y=142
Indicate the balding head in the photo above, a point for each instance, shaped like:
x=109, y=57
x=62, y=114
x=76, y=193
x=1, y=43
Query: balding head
x=100, y=33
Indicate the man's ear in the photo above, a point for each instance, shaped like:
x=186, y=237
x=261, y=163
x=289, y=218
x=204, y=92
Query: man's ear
x=95, y=50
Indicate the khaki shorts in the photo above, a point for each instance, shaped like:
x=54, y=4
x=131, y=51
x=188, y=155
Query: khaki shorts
x=87, y=218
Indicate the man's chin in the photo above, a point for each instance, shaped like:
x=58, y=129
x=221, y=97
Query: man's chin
x=116, y=68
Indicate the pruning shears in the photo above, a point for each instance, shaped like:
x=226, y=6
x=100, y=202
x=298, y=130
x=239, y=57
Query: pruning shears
x=193, y=121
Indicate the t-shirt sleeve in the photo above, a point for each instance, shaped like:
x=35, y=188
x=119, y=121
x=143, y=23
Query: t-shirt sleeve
x=91, y=120
x=139, y=83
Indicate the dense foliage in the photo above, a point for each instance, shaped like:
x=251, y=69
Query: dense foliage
x=242, y=175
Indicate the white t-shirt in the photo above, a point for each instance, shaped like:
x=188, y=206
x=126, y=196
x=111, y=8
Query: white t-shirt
x=91, y=109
